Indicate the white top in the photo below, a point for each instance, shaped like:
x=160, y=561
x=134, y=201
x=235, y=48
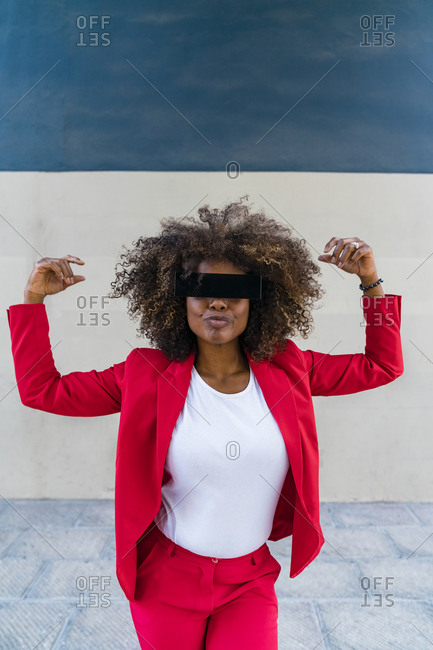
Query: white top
x=227, y=464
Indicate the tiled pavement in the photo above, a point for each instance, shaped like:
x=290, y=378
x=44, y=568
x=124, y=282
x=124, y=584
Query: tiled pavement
x=371, y=587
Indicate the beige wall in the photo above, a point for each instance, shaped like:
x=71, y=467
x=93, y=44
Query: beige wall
x=374, y=445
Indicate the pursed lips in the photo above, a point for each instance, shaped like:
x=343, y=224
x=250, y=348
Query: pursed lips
x=217, y=317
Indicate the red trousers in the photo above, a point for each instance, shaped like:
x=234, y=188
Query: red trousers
x=186, y=601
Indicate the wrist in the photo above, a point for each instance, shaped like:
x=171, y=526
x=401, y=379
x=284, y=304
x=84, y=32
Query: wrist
x=32, y=298
x=372, y=285
x=368, y=279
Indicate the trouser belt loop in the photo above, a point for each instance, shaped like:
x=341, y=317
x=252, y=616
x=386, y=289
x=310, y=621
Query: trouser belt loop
x=253, y=560
x=171, y=548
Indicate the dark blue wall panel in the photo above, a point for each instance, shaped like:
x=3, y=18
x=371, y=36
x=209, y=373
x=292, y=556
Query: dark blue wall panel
x=190, y=86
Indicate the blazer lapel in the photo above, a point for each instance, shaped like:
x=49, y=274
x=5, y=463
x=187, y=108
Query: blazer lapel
x=278, y=391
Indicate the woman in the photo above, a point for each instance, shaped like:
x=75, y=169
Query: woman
x=217, y=449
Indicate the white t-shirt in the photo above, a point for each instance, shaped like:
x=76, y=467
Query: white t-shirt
x=216, y=503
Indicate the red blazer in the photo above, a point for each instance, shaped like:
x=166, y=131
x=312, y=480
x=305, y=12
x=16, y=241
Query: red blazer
x=150, y=391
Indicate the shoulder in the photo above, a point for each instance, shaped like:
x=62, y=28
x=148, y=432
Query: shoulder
x=291, y=354
x=151, y=357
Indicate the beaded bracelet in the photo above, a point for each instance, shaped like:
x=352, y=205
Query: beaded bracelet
x=370, y=286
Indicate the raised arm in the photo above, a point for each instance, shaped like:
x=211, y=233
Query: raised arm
x=381, y=363
x=40, y=385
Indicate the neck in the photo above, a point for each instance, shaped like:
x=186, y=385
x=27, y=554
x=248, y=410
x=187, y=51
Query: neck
x=219, y=361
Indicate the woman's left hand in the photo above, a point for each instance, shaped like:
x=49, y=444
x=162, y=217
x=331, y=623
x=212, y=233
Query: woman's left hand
x=348, y=258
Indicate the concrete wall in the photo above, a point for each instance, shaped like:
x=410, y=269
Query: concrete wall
x=374, y=445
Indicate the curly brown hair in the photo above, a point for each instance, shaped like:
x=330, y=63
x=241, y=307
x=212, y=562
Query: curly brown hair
x=255, y=243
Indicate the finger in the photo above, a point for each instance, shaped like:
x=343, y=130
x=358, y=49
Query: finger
x=74, y=259
x=342, y=259
x=340, y=245
x=50, y=263
x=70, y=273
x=337, y=250
x=71, y=259
x=66, y=270
x=325, y=258
x=329, y=244
x=334, y=240
x=73, y=279
x=362, y=250
x=78, y=278
x=347, y=253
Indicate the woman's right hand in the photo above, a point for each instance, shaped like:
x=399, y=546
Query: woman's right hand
x=51, y=275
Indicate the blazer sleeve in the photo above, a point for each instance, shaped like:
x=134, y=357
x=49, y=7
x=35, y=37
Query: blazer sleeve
x=41, y=386
x=381, y=363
